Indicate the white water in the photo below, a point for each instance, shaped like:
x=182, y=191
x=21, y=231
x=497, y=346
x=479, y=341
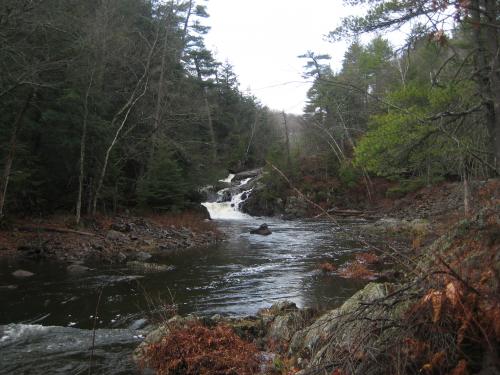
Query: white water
x=228, y=179
x=229, y=210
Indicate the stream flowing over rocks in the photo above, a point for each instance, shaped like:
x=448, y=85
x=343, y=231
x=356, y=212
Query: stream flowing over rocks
x=47, y=319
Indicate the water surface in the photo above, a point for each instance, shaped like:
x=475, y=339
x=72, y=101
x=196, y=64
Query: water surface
x=46, y=322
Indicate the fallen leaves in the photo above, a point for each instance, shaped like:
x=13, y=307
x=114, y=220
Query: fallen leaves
x=357, y=271
x=368, y=258
x=198, y=349
x=327, y=267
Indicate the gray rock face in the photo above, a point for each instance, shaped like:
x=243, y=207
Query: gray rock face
x=22, y=273
x=336, y=329
x=259, y=204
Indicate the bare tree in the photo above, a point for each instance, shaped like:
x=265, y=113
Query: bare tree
x=136, y=94
x=18, y=123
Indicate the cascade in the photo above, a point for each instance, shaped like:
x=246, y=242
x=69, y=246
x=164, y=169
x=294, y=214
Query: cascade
x=223, y=209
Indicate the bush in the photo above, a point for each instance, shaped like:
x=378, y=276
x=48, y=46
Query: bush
x=198, y=349
x=404, y=187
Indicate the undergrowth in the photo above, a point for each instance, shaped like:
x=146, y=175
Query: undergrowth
x=198, y=349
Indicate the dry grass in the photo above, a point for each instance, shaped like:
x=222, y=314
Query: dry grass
x=327, y=267
x=368, y=258
x=356, y=270
x=198, y=349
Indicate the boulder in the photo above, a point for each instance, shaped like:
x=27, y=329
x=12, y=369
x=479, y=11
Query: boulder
x=321, y=340
x=149, y=267
x=142, y=256
x=114, y=235
x=22, y=273
x=122, y=227
x=263, y=230
x=77, y=269
x=247, y=174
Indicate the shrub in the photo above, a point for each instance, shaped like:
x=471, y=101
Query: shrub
x=198, y=349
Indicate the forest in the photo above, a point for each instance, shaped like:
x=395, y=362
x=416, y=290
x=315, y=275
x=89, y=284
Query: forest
x=109, y=105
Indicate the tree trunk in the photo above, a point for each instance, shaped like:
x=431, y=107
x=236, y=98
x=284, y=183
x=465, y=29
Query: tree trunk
x=124, y=110
x=110, y=148
x=160, y=93
x=467, y=167
x=83, y=144
x=287, y=140
x=254, y=127
x=185, y=31
x=492, y=30
x=210, y=126
x=486, y=74
x=4, y=182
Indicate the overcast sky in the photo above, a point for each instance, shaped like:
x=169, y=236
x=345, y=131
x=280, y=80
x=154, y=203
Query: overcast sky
x=262, y=39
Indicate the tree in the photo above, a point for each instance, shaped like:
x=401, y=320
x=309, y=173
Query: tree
x=480, y=22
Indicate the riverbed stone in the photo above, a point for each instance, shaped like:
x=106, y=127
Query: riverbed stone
x=114, y=235
x=262, y=230
x=22, y=273
x=77, y=269
x=149, y=267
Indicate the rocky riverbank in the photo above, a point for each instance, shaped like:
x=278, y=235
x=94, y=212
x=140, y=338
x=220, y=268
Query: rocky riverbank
x=106, y=239
x=442, y=317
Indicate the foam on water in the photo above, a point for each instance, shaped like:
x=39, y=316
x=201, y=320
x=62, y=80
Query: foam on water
x=229, y=210
x=228, y=179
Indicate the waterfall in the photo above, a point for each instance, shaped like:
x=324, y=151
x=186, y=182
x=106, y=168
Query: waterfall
x=223, y=209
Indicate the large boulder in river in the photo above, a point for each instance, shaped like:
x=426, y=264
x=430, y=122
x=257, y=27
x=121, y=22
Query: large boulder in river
x=263, y=230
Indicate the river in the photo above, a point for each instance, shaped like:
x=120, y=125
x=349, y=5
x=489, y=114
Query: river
x=46, y=321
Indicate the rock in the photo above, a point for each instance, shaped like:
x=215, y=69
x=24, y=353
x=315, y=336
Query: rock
x=114, y=235
x=225, y=196
x=142, y=256
x=263, y=230
x=149, y=267
x=260, y=204
x=77, y=269
x=282, y=307
x=295, y=207
x=122, y=227
x=247, y=174
x=284, y=326
x=138, y=324
x=22, y=273
x=337, y=326
x=8, y=287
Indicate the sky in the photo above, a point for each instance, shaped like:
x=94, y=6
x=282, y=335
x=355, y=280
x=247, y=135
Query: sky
x=262, y=39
